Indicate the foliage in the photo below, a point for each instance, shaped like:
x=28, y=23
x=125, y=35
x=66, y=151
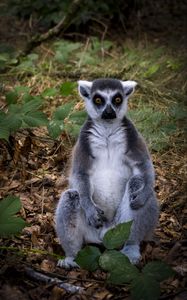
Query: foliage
x=144, y=284
x=22, y=111
x=158, y=126
x=66, y=51
x=7, y=56
x=115, y=237
x=88, y=258
x=51, y=12
x=9, y=223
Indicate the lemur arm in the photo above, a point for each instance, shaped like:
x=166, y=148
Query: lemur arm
x=80, y=181
x=141, y=183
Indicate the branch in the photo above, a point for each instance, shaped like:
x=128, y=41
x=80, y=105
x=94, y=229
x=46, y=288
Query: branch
x=70, y=288
x=61, y=26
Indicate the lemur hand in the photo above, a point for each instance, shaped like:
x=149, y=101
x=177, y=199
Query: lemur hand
x=138, y=192
x=95, y=216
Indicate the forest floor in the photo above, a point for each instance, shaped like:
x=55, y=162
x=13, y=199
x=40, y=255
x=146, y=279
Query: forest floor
x=35, y=167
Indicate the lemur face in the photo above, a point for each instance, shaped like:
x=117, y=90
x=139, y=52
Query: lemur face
x=106, y=98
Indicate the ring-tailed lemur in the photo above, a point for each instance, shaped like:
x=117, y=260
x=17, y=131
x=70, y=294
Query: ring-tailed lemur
x=112, y=176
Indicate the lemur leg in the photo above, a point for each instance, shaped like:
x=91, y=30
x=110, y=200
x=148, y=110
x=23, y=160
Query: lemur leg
x=71, y=227
x=68, y=227
x=144, y=222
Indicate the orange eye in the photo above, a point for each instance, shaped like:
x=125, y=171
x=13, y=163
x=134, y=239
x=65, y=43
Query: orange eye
x=98, y=100
x=118, y=100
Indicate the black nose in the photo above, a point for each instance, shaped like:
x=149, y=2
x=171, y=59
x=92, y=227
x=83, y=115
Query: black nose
x=108, y=113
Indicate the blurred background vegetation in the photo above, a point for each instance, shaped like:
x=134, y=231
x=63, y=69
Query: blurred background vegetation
x=46, y=43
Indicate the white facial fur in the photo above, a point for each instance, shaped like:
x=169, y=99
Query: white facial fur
x=94, y=112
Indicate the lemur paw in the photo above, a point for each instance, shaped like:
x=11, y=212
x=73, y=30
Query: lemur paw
x=137, y=201
x=95, y=216
x=71, y=194
x=67, y=263
x=133, y=253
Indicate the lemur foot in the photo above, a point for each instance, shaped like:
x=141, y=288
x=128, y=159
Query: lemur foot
x=133, y=253
x=67, y=263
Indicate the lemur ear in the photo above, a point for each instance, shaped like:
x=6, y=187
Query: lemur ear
x=84, y=88
x=128, y=86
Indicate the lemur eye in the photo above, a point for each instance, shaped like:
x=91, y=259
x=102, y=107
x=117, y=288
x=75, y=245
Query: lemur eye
x=117, y=100
x=98, y=101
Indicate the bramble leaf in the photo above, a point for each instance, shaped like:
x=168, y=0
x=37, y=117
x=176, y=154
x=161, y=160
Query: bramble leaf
x=67, y=88
x=119, y=267
x=55, y=128
x=88, y=258
x=10, y=224
x=144, y=287
x=115, y=237
x=35, y=119
x=159, y=270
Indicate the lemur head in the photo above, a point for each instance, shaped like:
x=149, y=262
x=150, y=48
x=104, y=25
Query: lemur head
x=106, y=98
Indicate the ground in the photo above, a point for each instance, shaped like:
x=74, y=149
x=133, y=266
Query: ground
x=34, y=166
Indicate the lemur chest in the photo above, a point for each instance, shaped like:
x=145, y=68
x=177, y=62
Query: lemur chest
x=109, y=173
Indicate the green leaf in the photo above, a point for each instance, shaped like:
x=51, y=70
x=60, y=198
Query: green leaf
x=20, y=89
x=4, y=129
x=49, y=92
x=32, y=105
x=26, y=97
x=32, y=56
x=72, y=129
x=67, y=88
x=78, y=117
x=159, y=270
x=9, y=224
x=55, y=128
x=11, y=97
x=13, y=120
x=35, y=119
x=10, y=205
x=88, y=258
x=64, y=50
x=4, y=132
x=115, y=237
x=152, y=70
x=119, y=267
x=145, y=288
x=62, y=112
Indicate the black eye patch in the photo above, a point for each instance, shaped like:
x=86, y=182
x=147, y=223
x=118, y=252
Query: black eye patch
x=117, y=99
x=98, y=100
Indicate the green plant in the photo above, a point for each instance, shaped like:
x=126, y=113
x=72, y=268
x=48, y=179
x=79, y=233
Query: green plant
x=7, y=56
x=144, y=284
x=155, y=125
x=9, y=222
x=22, y=111
x=65, y=118
x=64, y=50
x=50, y=12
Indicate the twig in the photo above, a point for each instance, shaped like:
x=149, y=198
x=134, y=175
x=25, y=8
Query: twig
x=70, y=288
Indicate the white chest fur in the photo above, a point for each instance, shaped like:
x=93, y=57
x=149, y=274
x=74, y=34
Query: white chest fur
x=109, y=173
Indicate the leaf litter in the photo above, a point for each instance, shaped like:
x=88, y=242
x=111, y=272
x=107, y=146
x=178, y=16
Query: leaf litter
x=43, y=165
x=35, y=170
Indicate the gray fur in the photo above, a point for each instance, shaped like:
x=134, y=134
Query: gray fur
x=112, y=176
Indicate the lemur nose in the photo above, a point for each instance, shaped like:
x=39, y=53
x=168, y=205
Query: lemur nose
x=109, y=113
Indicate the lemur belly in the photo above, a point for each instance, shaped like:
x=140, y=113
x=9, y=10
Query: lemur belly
x=108, y=189
x=108, y=179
